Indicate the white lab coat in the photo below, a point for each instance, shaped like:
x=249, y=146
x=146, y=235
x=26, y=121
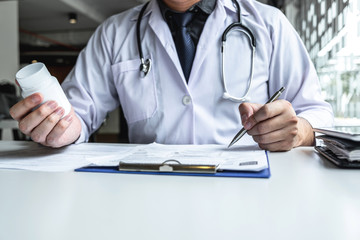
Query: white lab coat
x=162, y=107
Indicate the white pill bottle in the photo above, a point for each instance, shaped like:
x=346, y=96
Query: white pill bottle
x=36, y=78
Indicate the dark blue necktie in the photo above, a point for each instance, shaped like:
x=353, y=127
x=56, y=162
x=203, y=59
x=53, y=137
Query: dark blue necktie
x=185, y=46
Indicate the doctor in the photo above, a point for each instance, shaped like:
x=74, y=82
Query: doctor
x=180, y=103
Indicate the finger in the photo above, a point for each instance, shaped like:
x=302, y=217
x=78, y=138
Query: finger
x=33, y=119
x=286, y=119
x=40, y=132
x=54, y=138
x=283, y=134
x=22, y=108
x=267, y=111
x=248, y=109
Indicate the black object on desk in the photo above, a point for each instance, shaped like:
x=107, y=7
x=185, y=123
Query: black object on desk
x=340, y=146
x=342, y=163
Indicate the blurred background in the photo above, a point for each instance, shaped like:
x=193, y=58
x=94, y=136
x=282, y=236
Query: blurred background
x=54, y=31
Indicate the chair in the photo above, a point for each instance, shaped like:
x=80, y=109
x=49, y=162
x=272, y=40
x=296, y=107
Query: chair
x=7, y=99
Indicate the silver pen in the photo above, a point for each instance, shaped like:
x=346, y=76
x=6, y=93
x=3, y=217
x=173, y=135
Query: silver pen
x=243, y=130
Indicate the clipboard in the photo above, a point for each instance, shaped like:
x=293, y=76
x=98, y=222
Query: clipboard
x=177, y=169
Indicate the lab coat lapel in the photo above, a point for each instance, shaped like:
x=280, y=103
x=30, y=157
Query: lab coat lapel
x=209, y=38
x=162, y=31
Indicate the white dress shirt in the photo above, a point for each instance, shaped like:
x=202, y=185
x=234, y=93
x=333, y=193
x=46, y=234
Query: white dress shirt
x=162, y=107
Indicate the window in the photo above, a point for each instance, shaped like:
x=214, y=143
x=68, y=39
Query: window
x=335, y=51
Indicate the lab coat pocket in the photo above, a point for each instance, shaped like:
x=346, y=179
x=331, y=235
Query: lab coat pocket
x=137, y=92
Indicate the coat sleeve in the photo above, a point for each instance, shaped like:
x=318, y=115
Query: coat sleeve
x=291, y=67
x=90, y=86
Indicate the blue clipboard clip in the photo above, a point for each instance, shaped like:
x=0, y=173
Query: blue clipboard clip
x=170, y=165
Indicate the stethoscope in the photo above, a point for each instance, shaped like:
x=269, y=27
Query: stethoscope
x=145, y=64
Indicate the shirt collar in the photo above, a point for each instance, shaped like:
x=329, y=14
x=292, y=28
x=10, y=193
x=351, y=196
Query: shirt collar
x=230, y=6
x=207, y=6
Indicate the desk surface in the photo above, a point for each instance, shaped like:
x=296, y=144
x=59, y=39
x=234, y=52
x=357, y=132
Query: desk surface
x=305, y=198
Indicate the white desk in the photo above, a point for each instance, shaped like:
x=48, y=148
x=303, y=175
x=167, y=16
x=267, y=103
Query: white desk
x=305, y=198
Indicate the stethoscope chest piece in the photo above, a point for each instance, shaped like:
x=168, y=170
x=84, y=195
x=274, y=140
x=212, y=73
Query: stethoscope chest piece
x=145, y=66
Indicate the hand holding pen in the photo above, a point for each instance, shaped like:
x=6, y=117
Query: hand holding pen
x=244, y=130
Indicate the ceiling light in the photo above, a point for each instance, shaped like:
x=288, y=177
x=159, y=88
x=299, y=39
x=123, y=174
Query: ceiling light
x=72, y=18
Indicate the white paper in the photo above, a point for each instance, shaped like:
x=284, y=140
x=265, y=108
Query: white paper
x=33, y=156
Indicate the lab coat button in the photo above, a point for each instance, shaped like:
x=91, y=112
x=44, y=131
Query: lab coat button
x=186, y=100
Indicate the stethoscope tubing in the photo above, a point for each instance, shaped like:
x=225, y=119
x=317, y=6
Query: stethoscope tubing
x=226, y=94
x=252, y=41
x=145, y=65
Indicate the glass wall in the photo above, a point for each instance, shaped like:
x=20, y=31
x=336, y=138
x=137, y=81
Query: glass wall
x=330, y=30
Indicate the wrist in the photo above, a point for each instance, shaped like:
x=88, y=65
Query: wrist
x=306, y=135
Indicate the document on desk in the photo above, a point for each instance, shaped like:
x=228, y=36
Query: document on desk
x=249, y=158
x=32, y=156
x=35, y=157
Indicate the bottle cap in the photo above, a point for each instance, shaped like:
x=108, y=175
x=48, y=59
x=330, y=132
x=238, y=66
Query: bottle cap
x=32, y=75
